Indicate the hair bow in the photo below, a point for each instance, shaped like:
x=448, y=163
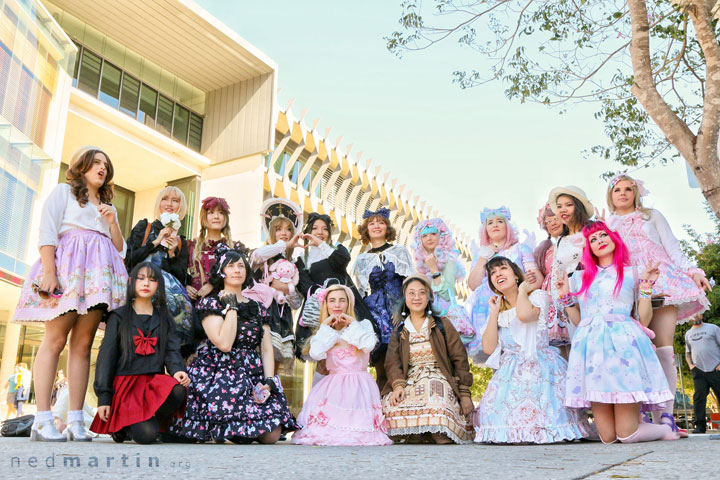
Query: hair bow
x=383, y=212
x=545, y=211
x=320, y=294
x=494, y=212
x=318, y=216
x=428, y=228
x=642, y=191
x=211, y=202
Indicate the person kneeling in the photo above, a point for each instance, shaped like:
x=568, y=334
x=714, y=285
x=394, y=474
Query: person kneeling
x=136, y=399
x=344, y=407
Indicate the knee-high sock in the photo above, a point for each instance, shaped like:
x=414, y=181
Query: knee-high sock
x=648, y=432
x=666, y=355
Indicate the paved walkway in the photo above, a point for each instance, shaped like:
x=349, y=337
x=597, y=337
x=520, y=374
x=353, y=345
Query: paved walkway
x=103, y=458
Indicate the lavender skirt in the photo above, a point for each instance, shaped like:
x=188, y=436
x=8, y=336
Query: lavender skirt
x=90, y=272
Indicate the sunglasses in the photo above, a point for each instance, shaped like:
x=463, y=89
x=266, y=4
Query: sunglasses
x=57, y=293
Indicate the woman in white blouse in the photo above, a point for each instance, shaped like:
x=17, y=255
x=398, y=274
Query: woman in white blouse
x=678, y=293
x=79, y=276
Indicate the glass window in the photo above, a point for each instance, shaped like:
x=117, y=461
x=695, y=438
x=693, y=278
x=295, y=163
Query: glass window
x=124, y=202
x=280, y=163
x=148, y=105
x=89, y=75
x=129, y=95
x=164, y=115
x=110, y=85
x=195, y=137
x=308, y=179
x=180, y=124
x=296, y=171
x=77, y=65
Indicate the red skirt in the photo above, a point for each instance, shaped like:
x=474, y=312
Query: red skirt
x=136, y=399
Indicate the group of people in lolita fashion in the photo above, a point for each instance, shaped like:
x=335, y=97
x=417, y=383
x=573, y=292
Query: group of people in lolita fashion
x=196, y=332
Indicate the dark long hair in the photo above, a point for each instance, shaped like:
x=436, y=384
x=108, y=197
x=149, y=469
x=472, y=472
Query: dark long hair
x=159, y=300
x=580, y=216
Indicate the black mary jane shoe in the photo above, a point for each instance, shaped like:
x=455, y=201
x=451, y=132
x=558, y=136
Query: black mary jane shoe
x=120, y=436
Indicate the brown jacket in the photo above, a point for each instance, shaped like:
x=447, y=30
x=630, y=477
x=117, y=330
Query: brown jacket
x=449, y=353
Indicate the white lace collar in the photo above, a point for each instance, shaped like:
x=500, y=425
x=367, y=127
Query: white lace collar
x=411, y=328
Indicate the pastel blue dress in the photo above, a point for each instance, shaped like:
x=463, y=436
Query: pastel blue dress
x=477, y=304
x=523, y=402
x=611, y=358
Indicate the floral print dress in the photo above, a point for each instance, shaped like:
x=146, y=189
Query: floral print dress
x=220, y=401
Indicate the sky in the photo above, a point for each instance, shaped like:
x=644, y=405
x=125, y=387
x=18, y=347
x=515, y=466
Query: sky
x=459, y=150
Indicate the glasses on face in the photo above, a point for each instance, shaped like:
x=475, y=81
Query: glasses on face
x=57, y=293
x=417, y=294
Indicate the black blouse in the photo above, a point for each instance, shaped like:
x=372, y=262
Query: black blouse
x=137, y=252
x=110, y=354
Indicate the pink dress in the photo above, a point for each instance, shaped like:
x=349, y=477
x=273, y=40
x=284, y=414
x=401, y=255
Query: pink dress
x=343, y=409
x=558, y=334
x=650, y=240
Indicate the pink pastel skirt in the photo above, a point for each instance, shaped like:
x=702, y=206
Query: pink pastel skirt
x=343, y=409
x=90, y=272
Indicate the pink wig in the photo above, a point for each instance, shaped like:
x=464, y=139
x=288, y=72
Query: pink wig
x=445, y=250
x=621, y=257
x=511, y=237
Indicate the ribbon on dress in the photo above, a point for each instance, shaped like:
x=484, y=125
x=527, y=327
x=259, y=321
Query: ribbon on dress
x=144, y=345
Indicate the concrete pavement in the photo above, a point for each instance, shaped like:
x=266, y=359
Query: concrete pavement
x=101, y=458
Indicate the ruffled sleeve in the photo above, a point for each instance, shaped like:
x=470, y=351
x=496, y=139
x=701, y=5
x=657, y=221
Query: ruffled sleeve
x=52, y=215
x=360, y=334
x=262, y=254
x=671, y=244
x=207, y=306
x=540, y=299
x=323, y=340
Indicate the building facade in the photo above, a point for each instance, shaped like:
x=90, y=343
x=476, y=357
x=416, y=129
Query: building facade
x=175, y=98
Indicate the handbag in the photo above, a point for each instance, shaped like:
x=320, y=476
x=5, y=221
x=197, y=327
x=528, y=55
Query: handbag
x=22, y=394
x=17, y=427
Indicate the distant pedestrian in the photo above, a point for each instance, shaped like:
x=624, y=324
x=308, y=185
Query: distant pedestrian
x=12, y=385
x=702, y=353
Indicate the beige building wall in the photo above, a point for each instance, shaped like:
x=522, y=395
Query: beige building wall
x=239, y=119
x=240, y=182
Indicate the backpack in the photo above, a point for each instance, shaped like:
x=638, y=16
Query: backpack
x=17, y=427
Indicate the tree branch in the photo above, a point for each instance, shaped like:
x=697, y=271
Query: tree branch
x=645, y=89
x=707, y=138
